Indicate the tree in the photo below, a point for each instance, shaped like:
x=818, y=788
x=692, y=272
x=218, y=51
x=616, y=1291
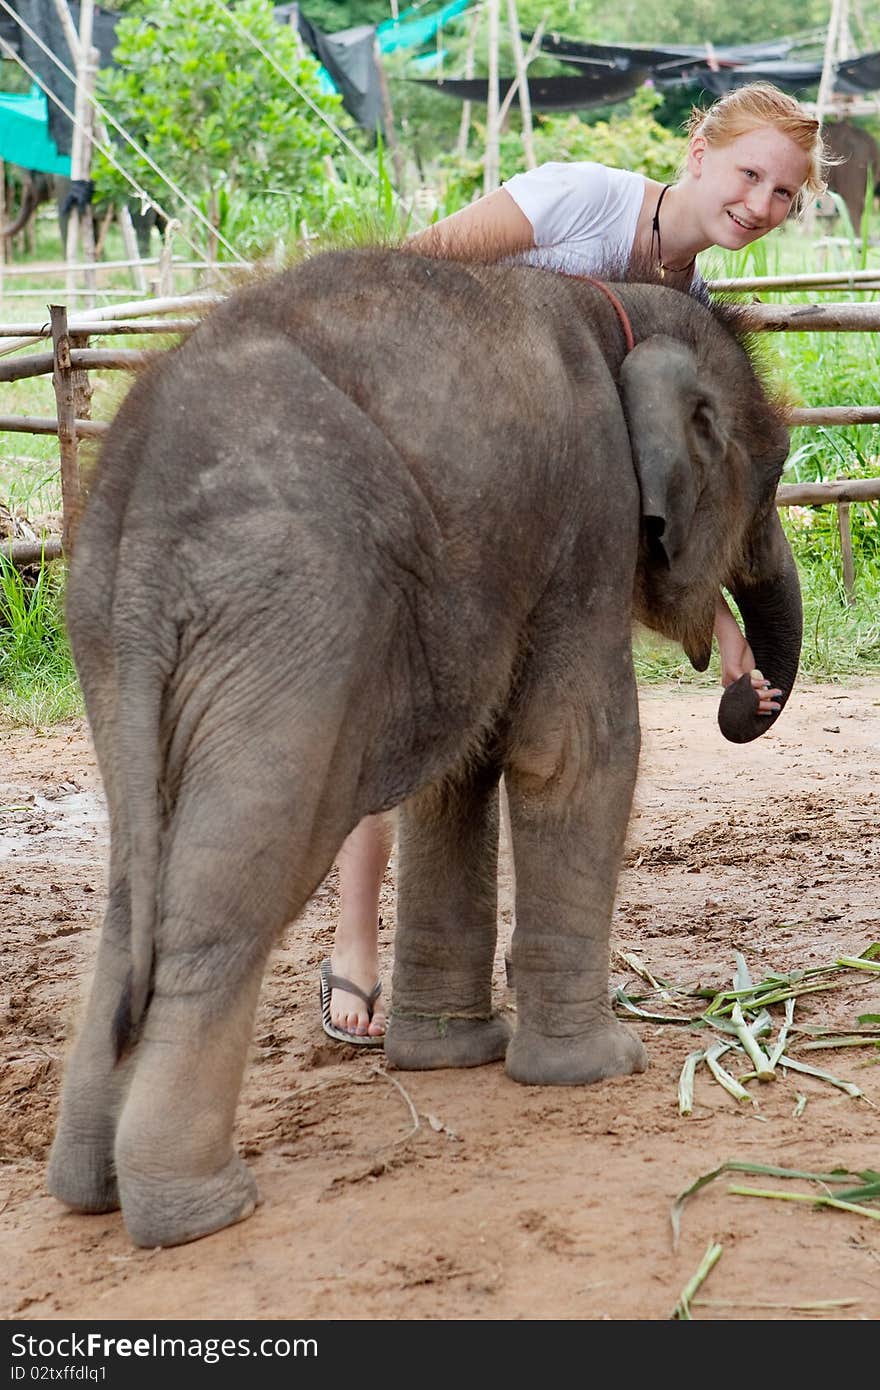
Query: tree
x=218, y=118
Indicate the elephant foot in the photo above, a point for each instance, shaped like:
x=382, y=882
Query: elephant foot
x=609, y=1050
x=424, y=1044
x=173, y=1210
x=81, y=1175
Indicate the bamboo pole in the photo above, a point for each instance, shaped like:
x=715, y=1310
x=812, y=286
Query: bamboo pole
x=836, y=415
x=864, y=287
x=525, y=104
x=812, y=318
x=491, y=165
x=108, y=327
x=514, y=86
x=87, y=222
x=47, y=424
x=132, y=309
x=54, y=267
x=80, y=359
x=846, y=551
x=67, y=24
x=82, y=387
x=829, y=61
x=388, y=119
x=819, y=494
x=32, y=552
x=80, y=149
x=466, y=106
x=129, y=241
x=837, y=279
x=62, y=380
x=166, y=259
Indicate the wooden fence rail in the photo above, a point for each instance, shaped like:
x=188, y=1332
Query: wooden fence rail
x=860, y=280
x=71, y=360
x=812, y=318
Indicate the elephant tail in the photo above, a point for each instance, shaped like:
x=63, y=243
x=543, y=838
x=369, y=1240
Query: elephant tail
x=140, y=697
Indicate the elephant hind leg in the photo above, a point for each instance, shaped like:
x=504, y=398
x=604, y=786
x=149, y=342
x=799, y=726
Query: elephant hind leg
x=241, y=861
x=82, y=1170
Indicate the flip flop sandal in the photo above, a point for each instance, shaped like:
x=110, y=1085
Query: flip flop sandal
x=329, y=982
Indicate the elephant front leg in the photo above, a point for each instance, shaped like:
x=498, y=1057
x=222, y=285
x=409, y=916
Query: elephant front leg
x=446, y=929
x=570, y=791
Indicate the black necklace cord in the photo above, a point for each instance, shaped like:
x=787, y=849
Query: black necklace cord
x=655, y=237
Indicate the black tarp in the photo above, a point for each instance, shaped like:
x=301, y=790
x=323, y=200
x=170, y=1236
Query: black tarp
x=42, y=17
x=550, y=93
x=349, y=57
x=608, y=73
x=624, y=57
x=603, y=83
x=853, y=77
x=859, y=75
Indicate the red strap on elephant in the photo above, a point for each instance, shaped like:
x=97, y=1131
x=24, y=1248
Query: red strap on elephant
x=618, y=308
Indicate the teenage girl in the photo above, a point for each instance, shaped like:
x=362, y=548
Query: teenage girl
x=752, y=158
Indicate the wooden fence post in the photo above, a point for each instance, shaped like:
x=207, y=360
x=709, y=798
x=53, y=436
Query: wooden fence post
x=846, y=551
x=491, y=175
x=462, y=141
x=525, y=104
x=388, y=125
x=65, y=397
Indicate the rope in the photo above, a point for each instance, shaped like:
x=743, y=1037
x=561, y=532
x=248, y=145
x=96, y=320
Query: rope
x=617, y=306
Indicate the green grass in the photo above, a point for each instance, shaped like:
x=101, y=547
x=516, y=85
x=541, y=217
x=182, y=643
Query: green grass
x=38, y=684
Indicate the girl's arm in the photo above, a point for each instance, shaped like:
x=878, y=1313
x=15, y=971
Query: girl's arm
x=488, y=230
x=737, y=658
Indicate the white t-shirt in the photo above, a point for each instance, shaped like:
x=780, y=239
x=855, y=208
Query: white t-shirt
x=583, y=215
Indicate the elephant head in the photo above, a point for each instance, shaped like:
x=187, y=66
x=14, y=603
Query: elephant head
x=709, y=448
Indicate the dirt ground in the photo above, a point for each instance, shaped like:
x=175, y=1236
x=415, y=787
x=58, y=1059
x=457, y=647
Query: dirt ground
x=505, y=1202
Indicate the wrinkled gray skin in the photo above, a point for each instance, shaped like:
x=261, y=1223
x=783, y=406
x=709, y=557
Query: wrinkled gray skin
x=373, y=536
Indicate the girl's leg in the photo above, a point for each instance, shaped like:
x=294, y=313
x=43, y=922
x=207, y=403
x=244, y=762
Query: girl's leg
x=362, y=861
x=737, y=658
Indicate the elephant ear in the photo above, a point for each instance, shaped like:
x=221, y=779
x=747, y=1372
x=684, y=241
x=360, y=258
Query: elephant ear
x=676, y=436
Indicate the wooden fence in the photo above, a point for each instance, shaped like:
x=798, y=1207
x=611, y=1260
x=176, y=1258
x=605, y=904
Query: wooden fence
x=71, y=359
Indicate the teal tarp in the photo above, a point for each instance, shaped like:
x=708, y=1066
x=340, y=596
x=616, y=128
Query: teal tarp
x=412, y=33
x=24, y=133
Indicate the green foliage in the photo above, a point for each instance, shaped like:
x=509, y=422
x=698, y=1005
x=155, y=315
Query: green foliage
x=676, y=21
x=218, y=118
x=630, y=138
x=360, y=209
x=332, y=15
x=37, y=679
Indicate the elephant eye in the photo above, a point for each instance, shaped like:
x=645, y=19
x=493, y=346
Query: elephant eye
x=703, y=422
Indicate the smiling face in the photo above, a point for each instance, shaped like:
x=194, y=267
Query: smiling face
x=743, y=189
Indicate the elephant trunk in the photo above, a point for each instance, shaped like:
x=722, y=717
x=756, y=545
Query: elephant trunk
x=773, y=617
x=29, y=205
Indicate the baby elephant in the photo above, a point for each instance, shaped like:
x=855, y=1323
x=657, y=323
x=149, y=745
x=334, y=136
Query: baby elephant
x=376, y=534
